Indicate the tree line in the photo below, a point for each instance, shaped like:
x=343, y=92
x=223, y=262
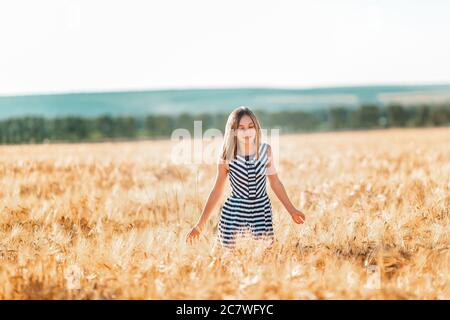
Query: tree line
x=37, y=129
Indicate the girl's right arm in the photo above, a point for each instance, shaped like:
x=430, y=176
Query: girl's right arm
x=213, y=197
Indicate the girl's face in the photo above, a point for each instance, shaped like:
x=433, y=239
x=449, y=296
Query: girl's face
x=246, y=131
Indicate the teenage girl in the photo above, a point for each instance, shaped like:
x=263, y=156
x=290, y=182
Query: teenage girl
x=247, y=161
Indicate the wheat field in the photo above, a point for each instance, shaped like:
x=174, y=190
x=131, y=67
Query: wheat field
x=109, y=220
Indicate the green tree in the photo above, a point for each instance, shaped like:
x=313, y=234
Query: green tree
x=440, y=116
x=338, y=118
x=366, y=116
x=105, y=124
x=396, y=116
x=125, y=127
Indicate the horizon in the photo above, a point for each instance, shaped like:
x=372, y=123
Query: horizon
x=168, y=89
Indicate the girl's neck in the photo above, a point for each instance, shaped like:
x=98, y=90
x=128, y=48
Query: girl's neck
x=246, y=149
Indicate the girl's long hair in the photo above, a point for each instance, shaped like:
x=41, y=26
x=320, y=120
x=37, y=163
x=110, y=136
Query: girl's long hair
x=230, y=143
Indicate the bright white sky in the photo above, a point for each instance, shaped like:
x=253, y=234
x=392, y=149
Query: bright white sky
x=51, y=46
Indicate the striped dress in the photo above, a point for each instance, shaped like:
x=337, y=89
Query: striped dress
x=248, y=209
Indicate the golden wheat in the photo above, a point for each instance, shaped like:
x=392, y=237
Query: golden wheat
x=108, y=221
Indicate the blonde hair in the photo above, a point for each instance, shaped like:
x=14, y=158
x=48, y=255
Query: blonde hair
x=230, y=143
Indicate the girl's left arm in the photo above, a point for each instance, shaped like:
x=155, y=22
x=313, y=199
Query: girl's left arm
x=278, y=188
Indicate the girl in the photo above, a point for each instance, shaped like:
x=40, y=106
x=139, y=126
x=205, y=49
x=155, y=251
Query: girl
x=246, y=161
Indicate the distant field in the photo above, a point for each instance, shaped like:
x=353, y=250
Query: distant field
x=173, y=102
x=108, y=221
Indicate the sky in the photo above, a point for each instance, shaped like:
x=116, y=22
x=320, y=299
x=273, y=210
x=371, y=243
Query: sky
x=56, y=46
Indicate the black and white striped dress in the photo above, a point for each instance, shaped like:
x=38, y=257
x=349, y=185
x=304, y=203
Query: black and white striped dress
x=248, y=208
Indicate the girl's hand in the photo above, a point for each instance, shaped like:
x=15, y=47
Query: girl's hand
x=194, y=234
x=297, y=216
